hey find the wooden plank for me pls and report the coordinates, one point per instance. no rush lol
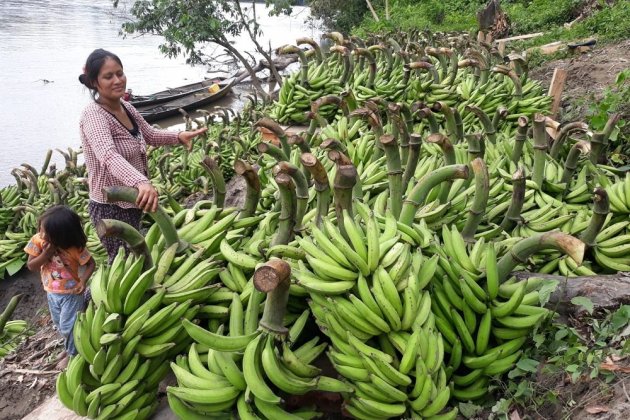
(516, 38)
(555, 90)
(501, 47)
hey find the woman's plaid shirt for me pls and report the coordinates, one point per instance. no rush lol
(113, 156)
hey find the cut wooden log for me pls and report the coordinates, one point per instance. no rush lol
(555, 90)
(519, 37)
(605, 291)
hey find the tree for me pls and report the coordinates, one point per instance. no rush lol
(188, 25)
(339, 15)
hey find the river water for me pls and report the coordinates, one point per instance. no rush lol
(43, 46)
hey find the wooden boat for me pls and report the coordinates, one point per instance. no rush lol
(174, 93)
(191, 101)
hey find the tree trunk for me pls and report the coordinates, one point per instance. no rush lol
(605, 291)
(248, 68)
(374, 15)
(259, 48)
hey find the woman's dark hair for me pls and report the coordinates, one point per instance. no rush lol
(63, 227)
(93, 66)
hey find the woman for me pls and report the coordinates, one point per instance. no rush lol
(114, 137)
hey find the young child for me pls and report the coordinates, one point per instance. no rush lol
(58, 250)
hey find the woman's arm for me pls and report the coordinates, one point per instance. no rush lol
(156, 137)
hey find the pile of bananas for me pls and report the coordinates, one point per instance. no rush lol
(125, 338)
(394, 229)
(11, 331)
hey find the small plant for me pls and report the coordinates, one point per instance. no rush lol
(564, 353)
(616, 99)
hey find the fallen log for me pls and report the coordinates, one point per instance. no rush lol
(605, 291)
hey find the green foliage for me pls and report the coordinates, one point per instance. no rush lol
(616, 99)
(561, 350)
(435, 14)
(339, 15)
(539, 15)
(187, 25)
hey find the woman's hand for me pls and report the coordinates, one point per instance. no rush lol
(185, 137)
(147, 200)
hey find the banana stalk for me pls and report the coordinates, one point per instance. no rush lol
(540, 149)
(273, 278)
(345, 179)
(425, 112)
(288, 200)
(599, 141)
(292, 49)
(330, 100)
(571, 162)
(160, 217)
(520, 138)
(363, 52)
(564, 132)
(348, 64)
(8, 311)
(301, 190)
(125, 232)
(400, 129)
(394, 172)
(418, 195)
(499, 115)
(601, 208)
(218, 183)
(451, 125)
(518, 88)
(319, 56)
(322, 186)
(252, 196)
(275, 128)
(513, 214)
(523, 249)
(449, 159)
(273, 151)
(480, 201)
(415, 142)
(485, 121)
(46, 161)
(476, 146)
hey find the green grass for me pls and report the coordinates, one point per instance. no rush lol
(610, 23)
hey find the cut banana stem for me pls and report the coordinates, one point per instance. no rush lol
(322, 186)
(513, 214)
(394, 172)
(563, 133)
(288, 204)
(252, 196)
(419, 193)
(273, 278)
(121, 230)
(520, 138)
(480, 201)
(128, 194)
(524, 248)
(580, 148)
(601, 208)
(218, 183)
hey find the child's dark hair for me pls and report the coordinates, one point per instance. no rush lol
(63, 227)
(93, 66)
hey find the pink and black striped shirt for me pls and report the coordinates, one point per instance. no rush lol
(113, 156)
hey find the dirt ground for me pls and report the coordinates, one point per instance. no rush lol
(27, 377)
(588, 75)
